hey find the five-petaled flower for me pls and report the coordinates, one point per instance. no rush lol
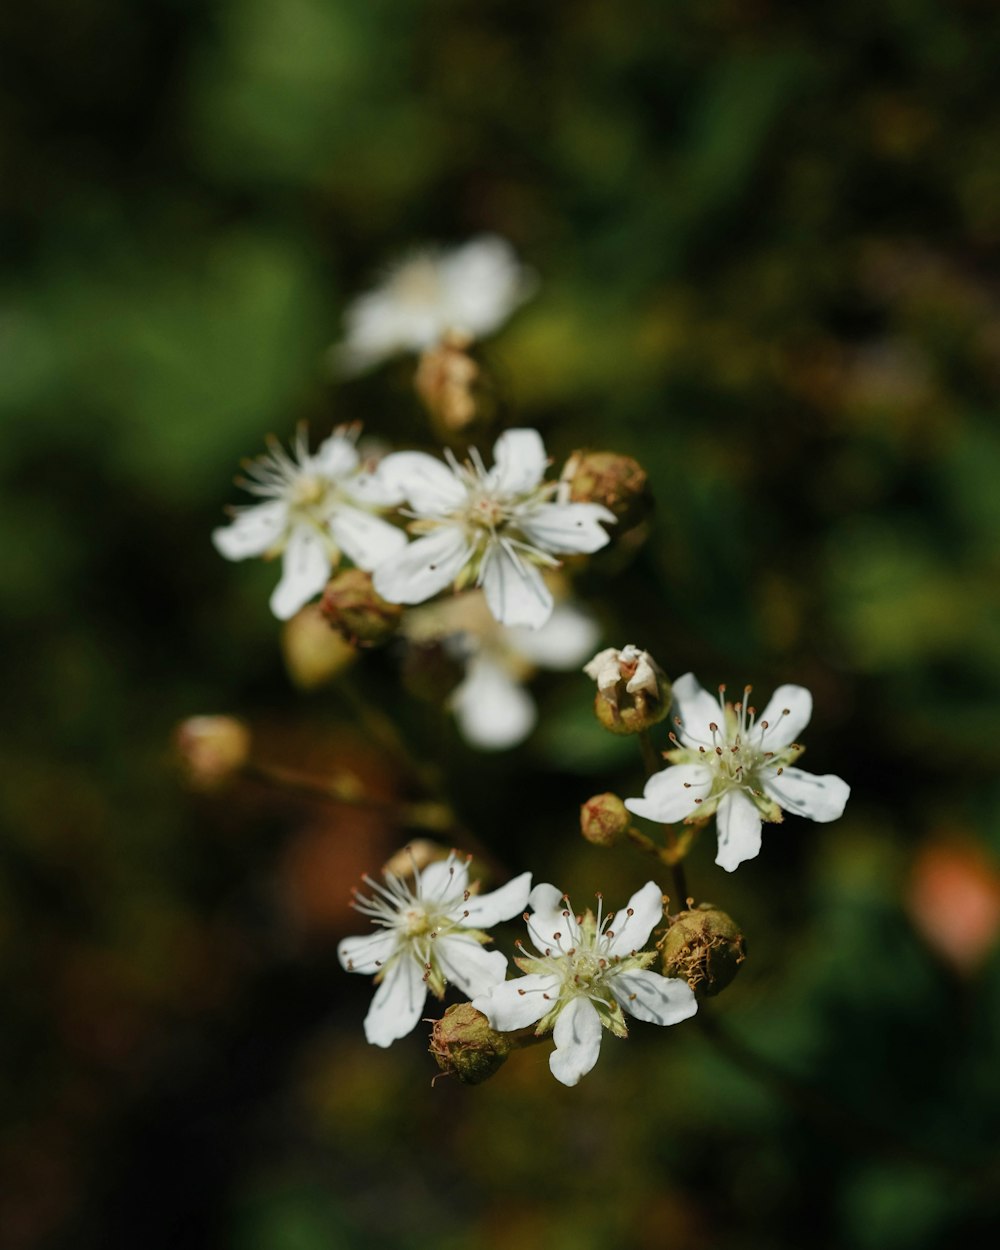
(316, 507)
(588, 972)
(429, 933)
(730, 761)
(471, 290)
(487, 527)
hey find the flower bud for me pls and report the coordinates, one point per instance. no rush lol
(703, 947)
(314, 653)
(450, 384)
(617, 482)
(465, 1046)
(604, 820)
(211, 750)
(633, 692)
(352, 606)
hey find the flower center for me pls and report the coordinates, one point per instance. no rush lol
(586, 970)
(308, 490)
(486, 512)
(416, 921)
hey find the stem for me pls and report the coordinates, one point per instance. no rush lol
(434, 817)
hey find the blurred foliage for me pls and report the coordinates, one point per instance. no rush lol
(767, 236)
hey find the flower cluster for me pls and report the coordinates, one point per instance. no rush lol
(452, 558)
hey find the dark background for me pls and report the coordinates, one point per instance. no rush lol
(767, 240)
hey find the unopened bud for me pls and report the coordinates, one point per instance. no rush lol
(314, 653)
(633, 692)
(414, 857)
(211, 750)
(352, 606)
(604, 477)
(604, 820)
(703, 947)
(465, 1046)
(450, 383)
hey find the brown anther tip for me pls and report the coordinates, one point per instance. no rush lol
(467, 895)
(786, 711)
(699, 800)
(465, 913)
(687, 785)
(763, 724)
(556, 937)
(713, 726)
(630, 911)
(522, 992)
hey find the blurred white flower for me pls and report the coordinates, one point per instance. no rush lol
(471, 290)
(488, 527)
(317, 507)
(588, 972)
(729, 761)
(428, 934)
(493, 709)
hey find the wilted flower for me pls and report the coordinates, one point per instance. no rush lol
(585, 976)
(488, 527)
(471, 289)
(317, 507)
(633, 692)
(429, 933)
(729, 761)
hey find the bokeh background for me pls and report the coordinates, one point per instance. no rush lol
(767, 240)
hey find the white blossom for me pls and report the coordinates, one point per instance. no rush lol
(495, 528)
(588, 972)
(428, 933)
(470, 290)
(316, 507)
(730, 761)
(492, 706)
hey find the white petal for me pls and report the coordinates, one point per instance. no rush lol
(494, 712)
(738, 829)
(515, 592)
(483, 283)
(564, 641)
(370, 488)
(398, 1002)
(305, 569)
(602, 664)
(252, 531)
(515, 1004)
(468, 965)
(336, 456)
(577, 1036)
(670, 795)
(486, 910)
(424, 567)
(429, 485)
(632, 931)
(787, 714)
(818, 798)
(696, 709)
(367, 539)
(445, 878)
(552, 926)
(648, 996)
(519, 462)
(369, 953)
(567, 527)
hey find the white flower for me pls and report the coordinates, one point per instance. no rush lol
(640, 672)
(317, 506)
(729, 761)
(585, 975)
(471, 290)
(491, 527)
(428, 933)
(493, 709)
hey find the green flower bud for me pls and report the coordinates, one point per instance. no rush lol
(351, 605)
(617, 482)
(604, 820)
(465, 1046)
(703, 947)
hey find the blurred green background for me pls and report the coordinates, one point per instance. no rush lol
(767, 236)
